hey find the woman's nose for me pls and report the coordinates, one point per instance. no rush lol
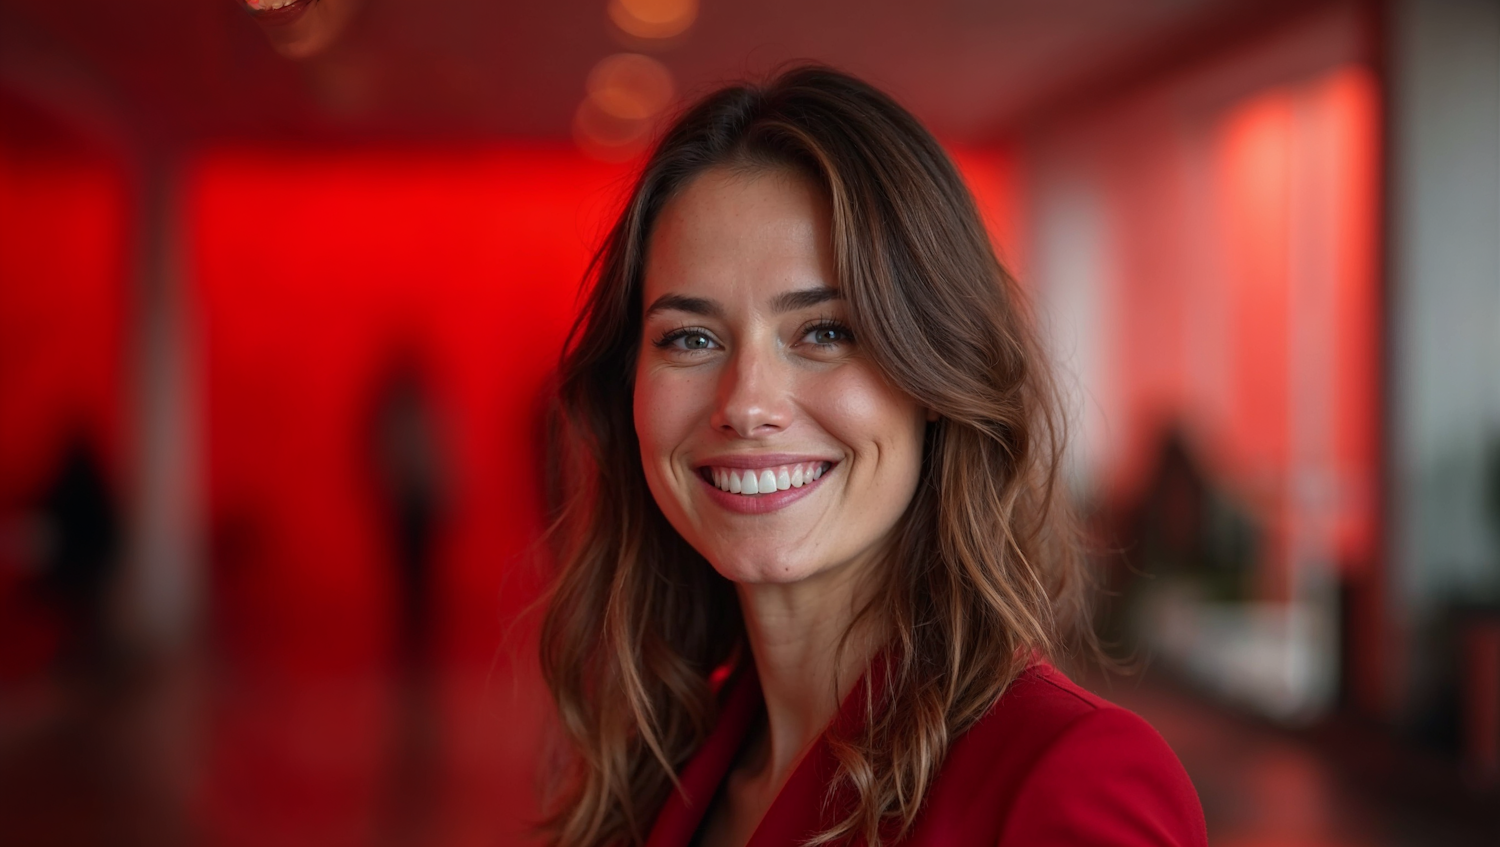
(754, 396)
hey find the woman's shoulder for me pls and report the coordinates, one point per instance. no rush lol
(1044, 698)
(1044, 718)
(1053, 763)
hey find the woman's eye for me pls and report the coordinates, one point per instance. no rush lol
(691, 340)
(828, 334)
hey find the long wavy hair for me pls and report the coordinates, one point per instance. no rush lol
(984, 576)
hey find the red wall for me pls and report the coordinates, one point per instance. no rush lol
(309, 271)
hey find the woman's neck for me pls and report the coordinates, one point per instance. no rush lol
(795, 634)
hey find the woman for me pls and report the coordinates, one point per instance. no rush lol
(814, 555)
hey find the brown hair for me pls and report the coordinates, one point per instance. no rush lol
(983, 576)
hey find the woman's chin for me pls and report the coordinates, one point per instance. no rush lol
(765, 571)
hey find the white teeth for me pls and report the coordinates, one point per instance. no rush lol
(765, 480)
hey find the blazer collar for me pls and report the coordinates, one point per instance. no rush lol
(699, 781)
(802, 808)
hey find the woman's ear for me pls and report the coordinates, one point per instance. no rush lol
(932, 415)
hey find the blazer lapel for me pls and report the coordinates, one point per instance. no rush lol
(804, 807)
(801, 809)
(680, 817)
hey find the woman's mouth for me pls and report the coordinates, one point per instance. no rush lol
(761, 484)
(277, 11)
(752, 482)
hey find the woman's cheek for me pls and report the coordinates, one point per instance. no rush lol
(647, 413)
(664, 412)
(854, 400)
(880, 424)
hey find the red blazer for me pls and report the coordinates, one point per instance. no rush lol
(1051, 764)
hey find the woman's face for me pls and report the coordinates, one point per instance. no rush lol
(769, 439)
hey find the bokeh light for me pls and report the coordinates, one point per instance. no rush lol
(653, 19)
(631, 86)
(626, 92)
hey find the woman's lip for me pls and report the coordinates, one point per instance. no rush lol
(279, 17)
(760, 504)
(759, 461)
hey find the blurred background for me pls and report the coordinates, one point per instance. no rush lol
(281, 289)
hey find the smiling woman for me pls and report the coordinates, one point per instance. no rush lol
(815, 559)
(748, 372)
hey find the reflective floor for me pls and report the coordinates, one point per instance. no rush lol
(187, 755)
(1336, 785)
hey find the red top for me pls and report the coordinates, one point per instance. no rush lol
(1050, 764)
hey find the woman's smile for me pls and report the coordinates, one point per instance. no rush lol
(755, 485)
(278, 12)
(764, 479)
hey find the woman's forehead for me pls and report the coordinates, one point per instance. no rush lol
(724, 208)
(749, 237)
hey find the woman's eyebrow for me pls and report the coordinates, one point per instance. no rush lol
(791, 301)
(682, 303)
(786, 301)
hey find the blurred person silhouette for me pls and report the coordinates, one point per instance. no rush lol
(79, 519)
(410, 484)
(301, 29)
(1169, 518)
(1187, 523)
